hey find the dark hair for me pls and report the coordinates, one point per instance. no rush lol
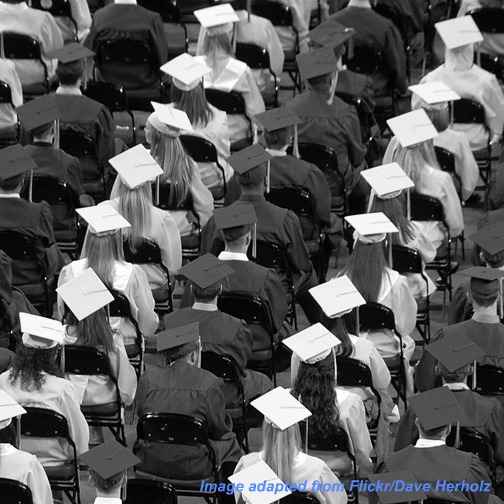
(484, 301)
(315, 388)
(215, 41)
(393, 208)
(12, 183)
(42, 130)
(30, 364)
(457, 376)
(278, 138)
(193, 103)
(69, 73)
(235, 233)
(321, 84)
(433, 433)
(493, 260)
(106, 484)
(8, 434)
(339, 328)
(207, 294)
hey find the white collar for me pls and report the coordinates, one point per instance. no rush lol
(429, 443)
(486, 317)
(68, 90)
(456, 386)
(204, 306)
(359, 3)
(18, 6)
(277, 153)
(126, 2)
(225, 255)
(11, 195)
(108, 500)
(7, 449)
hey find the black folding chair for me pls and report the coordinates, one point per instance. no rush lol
(148, 252)
(488, 19)
(10, 134)
(409, 261)
(182, 430)
(490, 380)
(428, 208)
(300, 498)
(15, 492)
(85, 360)
(46, 423)
(257, 58)
(140, 491)
(57, 8)
(202, 150)
(254, 311)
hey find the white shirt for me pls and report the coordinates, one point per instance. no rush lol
(204, 307)
(225, 255)
(8, 74)
(429, 443)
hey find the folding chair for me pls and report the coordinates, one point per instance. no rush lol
(84, 360)
(148, 252)
(57, 8)
(140, 490)
(428, 208)
(490, 380)
(300, 498)
(409, 261)
(8, 135)
(254, 311)
(257, 58)
(45, 423)
(202, 150)
(183, 430)
(15, 492)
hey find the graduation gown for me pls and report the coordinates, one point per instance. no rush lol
(184, 389)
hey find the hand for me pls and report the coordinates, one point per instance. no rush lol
(495, 139)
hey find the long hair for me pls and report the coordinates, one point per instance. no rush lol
(93, 331)
(194, 104)
(365, 268)
(30, 364)
(217, 44)
(339, 328)
(101, 252)
(393, 208)
(315, 388)
(280, 449)
(135, 205)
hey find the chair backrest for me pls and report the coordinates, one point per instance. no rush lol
(128, 48)
(271, 255)
(146, 252)
(490, 380)
(167, 197)
(18, 246)
(278, 13)
(5, 93)
(353, 373)
(58, 8)
(199, 149)
(21, 46)
(108, 94)
(406, 260)
(475, 442)
(335, 440)
(426, 208)
(255, 56)
(321, 156)
(446, 159)
(15, 492)
(375, 316)
(77, 143)
(300, 498)
(366, 60)
(53, 191)
(466, 111)
(86, 360)
(44, 423)
(222, 366)
(295, 198)
(230, 102)
(489, 19)
(140, 491)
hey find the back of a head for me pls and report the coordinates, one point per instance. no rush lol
(193, 103)
(394, 209)
(207, 294)
(69, 74)
(253, 179)
(218, 41)
(457, 376)
(106, 485)
(321, 84)
(12, 184)
(484, 293)
(236, 235)
(279, 138)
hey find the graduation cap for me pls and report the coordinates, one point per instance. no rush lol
(38, 112)
(399, 496)
(412, 128)
(109, 459)
(490, 238)
(486, 283)
(41, 332)
(186, 71)
(332, 34)
(85, 294)
(15, 161)
(232, 220)
(177, 337)
(249, 165)
(434, 92)
(316, 63)
(9, 409)
(260, 471)
(216, 15)
(371, 227)
(312, 344)
(337, 296)
(458, 32)
(70, 53)
(103, 219)
(136, 166)
(205, 271)
(171, 117)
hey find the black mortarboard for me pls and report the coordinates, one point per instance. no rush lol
(14, 161)
(109, 459)
(37, 112)
(70, 53)
(205, 271)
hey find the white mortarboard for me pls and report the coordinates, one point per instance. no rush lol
(387, 181)
(312, 344)
(85, 294)
(337, 296)
(216, 15)
(371, 227)
(9, 408)
(136, 166)
(260, 471)
(434, 92)
(103, 218)
(186, 71)
(281, 408)
(41, 332)
(172, 117)
(458, 32)
(412, 128)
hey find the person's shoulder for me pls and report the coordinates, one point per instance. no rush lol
(347, 400)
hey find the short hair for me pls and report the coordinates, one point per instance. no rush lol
(277, 138)
(12, 183)
(493, 260)
(432, 433)
(232, 234)
(484, 301)
(321, 83)
(106, 484)
(69, 73)
(42, 130)
(456, 376)
(208, 293)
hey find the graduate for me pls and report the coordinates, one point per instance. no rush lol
(188, 94)
(103, 252)
(16, 464)
(36, 379)
(282, 449)
(220, 333)
(173, 382)
(8, 116)
(79, 10)
(227, 73)
(483, 328)
(430, 460)
(131, 196)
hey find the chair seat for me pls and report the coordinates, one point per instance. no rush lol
(36, 89)
(132, 350)
(191, 241)
(187, 485)
(393, 363)
(63, 472)
(107, 409)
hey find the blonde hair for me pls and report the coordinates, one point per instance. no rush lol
(280, 449)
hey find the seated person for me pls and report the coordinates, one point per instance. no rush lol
(79, 9)
(131, 196)
(191, 202)
(206, 120)
(378, 32)
(327, 120)
(430, 460)
(16, 464)
(16, 16)
(35, 379)
(220, 333)
(483, 414)
(227, 73)
(173, 382)
(297, 34)
(103, 252)
(282, 452)
(8, 116)
(484, 328)
(462, 75)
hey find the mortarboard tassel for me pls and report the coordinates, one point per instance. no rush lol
(408, 204)
(57, 134)
(157, 191)
(18, 431)
(249, 8)
(390, 258)
(371, 201)
(501, 312)
(306, 436)
(254, 240)
(357, 322)
(30, 187)
(2, 49)
(255, 133)
(234, 37)
(295, 146)
(474, 379)
(268, 169)
(457, 435)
